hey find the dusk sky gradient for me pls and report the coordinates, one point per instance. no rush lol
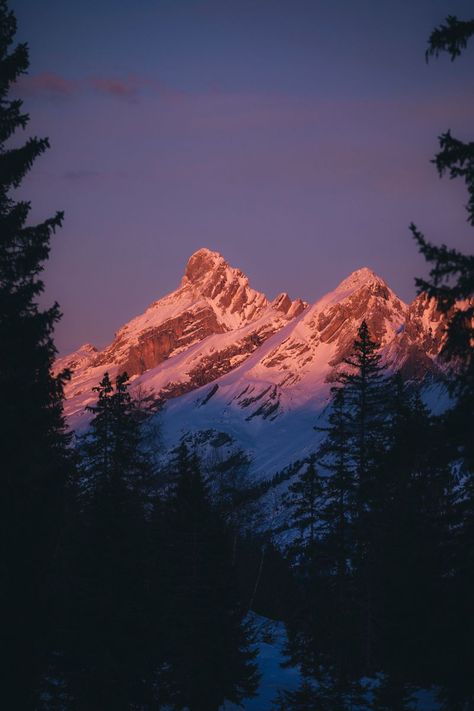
(293, 137)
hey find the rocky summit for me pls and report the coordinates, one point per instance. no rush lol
(227, 360)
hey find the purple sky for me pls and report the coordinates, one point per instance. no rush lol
(293, 137)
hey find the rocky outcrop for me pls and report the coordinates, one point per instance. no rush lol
(208, 275)
(154, 345)
(281, 354)
(420, 340)
(333, 323)
(213, 299)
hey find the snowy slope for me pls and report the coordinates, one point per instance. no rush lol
(228, 360)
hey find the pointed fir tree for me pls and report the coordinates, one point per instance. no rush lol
(304, 501)
(113, 448)
(109, 639)
(33, 438)
(339, 543)
(335, 457)
(451, 37)
(306, 629)
(451, 280)
(365, 393)
(451, 283)
(363, 379)
(208, 645)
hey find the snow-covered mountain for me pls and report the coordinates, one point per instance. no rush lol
(230, 362)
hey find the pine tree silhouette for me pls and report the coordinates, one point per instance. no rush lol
(365, 393)
(303, 502)
(33, 439)
(110, 647)
(451, 283)
(339, 514)
(208, 647)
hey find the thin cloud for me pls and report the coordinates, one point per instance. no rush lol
(119, 88)
(47, 84)
(130, 88)
(53, 86)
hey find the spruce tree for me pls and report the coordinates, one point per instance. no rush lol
(339, 543)
(307, 632)
(451, 283)
(363, 380)
(303, 501)
(113, 448)
(365, 394)
(410, 511)
(335, 456)
(109, 648)
(33, 440)
(208, 645)
(451, 280)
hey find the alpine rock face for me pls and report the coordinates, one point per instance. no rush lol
(234, 367)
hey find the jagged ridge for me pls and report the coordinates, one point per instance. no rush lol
(267, 359)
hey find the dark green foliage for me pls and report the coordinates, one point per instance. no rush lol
(379, 590)
(113, 447)
(451, 283)
(303, 699)
(365, 399)
(363, 380)
(264, 577)
(332, 629)
(108, 650)
(452, 37)
(452, 273)
(412, 554)
(335, 456)
(208, 642)
(303, 501)
(33, 441)
(326, 693)
(232, 493)
(391, 694)
(339, 542)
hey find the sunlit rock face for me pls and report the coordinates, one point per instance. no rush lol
(213, 299)
(264, 360)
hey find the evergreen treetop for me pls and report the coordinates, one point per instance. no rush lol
(33, 440)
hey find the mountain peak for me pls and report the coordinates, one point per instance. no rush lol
(363, 277)
(200, 264)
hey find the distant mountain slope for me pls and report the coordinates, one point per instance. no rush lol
(228, 360)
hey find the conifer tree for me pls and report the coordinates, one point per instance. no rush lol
(113, 447)
(339, 544)
(451, 280)
(231, 492)
(33, 441)
(451, 283)
(208, 644)
(307, 631)
(110, 651)
(391, 694)
(410, 520)
(334, 455)
(363, 380)
(323, 693)
(365, 394)
(303, 501)
(302, 699)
